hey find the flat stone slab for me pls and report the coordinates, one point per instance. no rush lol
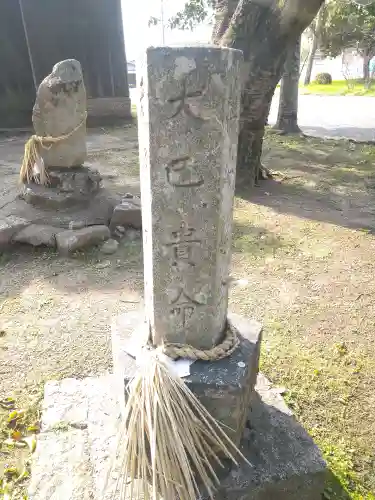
(81, 418)
(98, 211)
(80, 422)
(71, 240)
(224, 387)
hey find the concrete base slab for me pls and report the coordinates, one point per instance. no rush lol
(224, 387)
(81, 418)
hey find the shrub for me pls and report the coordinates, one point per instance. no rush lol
(323, 79)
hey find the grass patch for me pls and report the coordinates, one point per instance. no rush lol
(301, 241)
(338, 87)
(19, 426)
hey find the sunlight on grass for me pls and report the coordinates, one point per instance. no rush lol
(338, 87)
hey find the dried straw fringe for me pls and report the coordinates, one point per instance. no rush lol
(167, 440)
(32, 155)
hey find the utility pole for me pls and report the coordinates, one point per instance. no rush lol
(162, 21)
(28, 45)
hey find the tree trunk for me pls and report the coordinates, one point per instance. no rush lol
(262, 31)
(316, 36)
(287, 119)
(224, 11)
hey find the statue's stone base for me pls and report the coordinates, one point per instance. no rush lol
(68, 187)
(224, 387)
(81, 418)
(73, 212)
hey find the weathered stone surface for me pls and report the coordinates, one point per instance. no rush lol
(70, 241)
(37, 235)
(127, 214)
(188, 131)
(81, 418)
(109, 247)
(9, 226)
(61, 467)
(285, 462)
(97, 212)
(67, 187)
(59, 108)
(224, 387)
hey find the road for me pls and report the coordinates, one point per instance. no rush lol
(351, 117)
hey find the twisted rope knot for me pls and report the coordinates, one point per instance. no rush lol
(32, 154)
(228, 345)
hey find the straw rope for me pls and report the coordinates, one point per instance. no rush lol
(32, 154)
(220, 351)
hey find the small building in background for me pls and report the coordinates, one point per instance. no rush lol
(40, 33)
(132, 74)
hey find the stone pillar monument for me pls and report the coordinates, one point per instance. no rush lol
(188, 129)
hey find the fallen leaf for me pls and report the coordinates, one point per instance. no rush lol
(9, 442)
(11, 471)
(34, 428)
(8, 403)
(31, 443)
(24, 475)
(16, 435)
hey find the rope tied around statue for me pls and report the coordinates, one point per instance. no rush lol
(33, 168)
(223, 350)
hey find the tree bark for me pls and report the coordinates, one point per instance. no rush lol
(224, 11)
(287, 119)
(262, 31)
(314, 46)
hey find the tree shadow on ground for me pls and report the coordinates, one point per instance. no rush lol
(334, 489)
(323, 180)
(302, 202)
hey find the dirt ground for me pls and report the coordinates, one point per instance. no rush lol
(302, 240)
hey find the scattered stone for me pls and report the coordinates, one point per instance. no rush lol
(76, 224)
(103, 264)
(37, 235)
(60, 108)
(9, 226)
(70, 241)
(120, 229)
(110, 246)
(126, 214)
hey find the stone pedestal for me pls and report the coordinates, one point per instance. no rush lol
(224, 387)
(68, 187)
(80, 422)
